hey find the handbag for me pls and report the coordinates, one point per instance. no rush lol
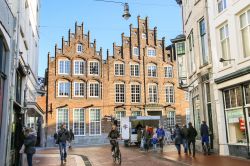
(22, 149)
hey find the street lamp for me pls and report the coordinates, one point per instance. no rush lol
(126, 15)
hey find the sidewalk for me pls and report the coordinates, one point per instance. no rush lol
(170, 153)
(54, 160)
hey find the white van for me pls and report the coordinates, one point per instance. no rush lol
(128, 126)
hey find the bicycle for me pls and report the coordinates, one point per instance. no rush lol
(117, 157)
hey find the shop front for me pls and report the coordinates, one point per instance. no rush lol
(237, 116)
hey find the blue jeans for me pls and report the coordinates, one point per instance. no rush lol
(178, 147)
(185, 145)
(29, 159)
(63, 150)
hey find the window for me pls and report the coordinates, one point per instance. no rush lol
(119, 115)
(245, 32)
(63, 89)
(94, 90)
(64, 66)
(79, 67)
(136, 113)
(180, 48)
(79, 89)
(135, 93)
(79, 48)
(222, 5)
(134, 70)
(94, 68)
(191, 53)
(95, 121)
(169, 93)
(169, 72)
(152, 70)
(188, 116)
(62, 117)
(79, 122)
(151, 52)
(153, 96)
(171, 119)
(224, 43)
(136, 51)
(203, 40)
(119, 69)
(186, 96)
(120, 93)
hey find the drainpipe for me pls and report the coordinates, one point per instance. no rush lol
(14, 65)
(144, 80)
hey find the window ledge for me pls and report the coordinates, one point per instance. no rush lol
(225, 68)
(244, 60)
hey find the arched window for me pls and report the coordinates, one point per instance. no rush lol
(169, 89)
(168, 71)
(79, 89)
(63, 88)
(134, 69)
(135, 92)
(153, 93)
(79, 48)
(79, 67)
(152, 70)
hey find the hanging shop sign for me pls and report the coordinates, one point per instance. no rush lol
(242, 124)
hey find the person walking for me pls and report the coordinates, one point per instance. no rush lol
(178, 138)
(55, 138)
(147, 134)
(63, 137)
(192, 133)
(184, 132)
(29, 144)
(113, 136)
(205, 138)
(161, 136)
(139, 136)
(71, 137)
(154, 141)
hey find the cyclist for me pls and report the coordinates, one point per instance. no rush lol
(205, 137)
(113, 135)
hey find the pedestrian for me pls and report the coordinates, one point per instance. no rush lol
(29, 144)
(71, 137)
(139, 136)
(154, 141)
(63, 137)
(184, 132)
(161, 136)
(178, 138)
(55, 138)
(192, 133)
(205, 138)
(147, 134)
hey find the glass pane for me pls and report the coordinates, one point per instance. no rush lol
(243, 20)
(239, 96)
(233, 98)
(247, 94)
(222, 34)
(227, 99)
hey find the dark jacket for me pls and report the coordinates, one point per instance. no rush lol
(184, 132)
(63, 135)
(114, 134)
(204, 130)
(71, 135)
(192, 133)
(160, 133)
(30, 142)
(178, 137)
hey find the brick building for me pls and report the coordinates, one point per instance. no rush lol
(139, 78)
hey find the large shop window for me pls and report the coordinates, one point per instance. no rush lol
(95, 122)
(62, 117)
(79, 122)
(119, 115)
(234, 115)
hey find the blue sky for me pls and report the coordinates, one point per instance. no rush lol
(103, 20)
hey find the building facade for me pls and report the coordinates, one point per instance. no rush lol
(137, 79)
(230, 43)
(197, 57)
(19, 65)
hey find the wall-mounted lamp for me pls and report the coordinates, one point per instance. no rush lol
(224, 60)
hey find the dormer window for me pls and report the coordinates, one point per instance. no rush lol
(151, 52)
(79, 48)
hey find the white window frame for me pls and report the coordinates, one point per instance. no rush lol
(79, 64)
(89, 66)
(94, 90)
(223, 4)
(119, 95)
(168, 71)
(247, 26)
(119, 68)
(169, 92)
(136, 113)
(136, 51)
(79, 89)
(58, 92)
(64, 66)
(191, 60)
(154, 100)
(151, 52)
(84, 120)
(91, 109)
(133, 69)
(203, 42)
(79, 48)
(150, 70)
(136, 93)
(57, 123)
(171, 119)
(223, 30)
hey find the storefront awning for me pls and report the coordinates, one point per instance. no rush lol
(34, 109)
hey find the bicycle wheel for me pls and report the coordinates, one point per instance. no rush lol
(118, 158)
